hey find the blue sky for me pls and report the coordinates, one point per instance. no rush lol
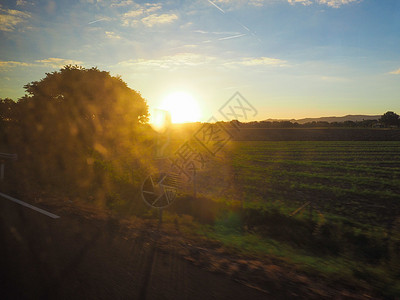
(288, 58)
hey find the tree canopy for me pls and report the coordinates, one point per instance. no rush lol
(87, 103)
(390, 119)
(84, 102)
(75, 117)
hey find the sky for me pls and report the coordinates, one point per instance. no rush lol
(287, 58)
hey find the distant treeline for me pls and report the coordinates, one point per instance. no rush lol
(314, 124)
(388, 120)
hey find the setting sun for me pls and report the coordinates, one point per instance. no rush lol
(182, 106)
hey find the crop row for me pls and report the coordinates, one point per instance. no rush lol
(362, 179)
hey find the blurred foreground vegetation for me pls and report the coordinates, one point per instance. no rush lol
(78, 132)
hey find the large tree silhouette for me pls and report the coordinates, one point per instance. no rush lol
(88, 104)
(74, 115)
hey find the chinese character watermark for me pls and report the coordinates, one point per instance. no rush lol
(159, 190)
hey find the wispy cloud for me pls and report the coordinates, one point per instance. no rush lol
(395, 72)
(182, 60)
(261, 61)
(112, 35)
(154, 19)
(331, 3)
(140, 10)
(257, 3)
(11, 18)
(48, 62)
(337, 3)
(217, 32)
(58, 62)
(170, 61)
(24, 3)
(122, 3)
(147, 15)
(334, 79)
(239, 3)
(133, 14)
(304, 2)
(10, 63)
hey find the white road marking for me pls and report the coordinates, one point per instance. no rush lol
(42, 211)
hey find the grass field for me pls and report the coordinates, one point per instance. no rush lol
(350, 228)
(349, 232)
(358, 180)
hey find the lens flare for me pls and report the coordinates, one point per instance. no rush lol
(160, 120)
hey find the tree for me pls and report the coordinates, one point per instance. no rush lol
(390, 119)
(90, 105)
(8, 118)
(75, 114)
(7, 108)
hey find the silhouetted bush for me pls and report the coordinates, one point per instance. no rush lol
(80, 131)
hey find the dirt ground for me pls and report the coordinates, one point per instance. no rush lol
(88, 254)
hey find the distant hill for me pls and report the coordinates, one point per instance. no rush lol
(353, 118)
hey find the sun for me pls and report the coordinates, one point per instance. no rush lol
(182, 107)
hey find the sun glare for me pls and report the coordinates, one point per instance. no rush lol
(160, 119)
(182, 106)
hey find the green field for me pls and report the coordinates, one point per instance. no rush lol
(350, 228)
(357, 180)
